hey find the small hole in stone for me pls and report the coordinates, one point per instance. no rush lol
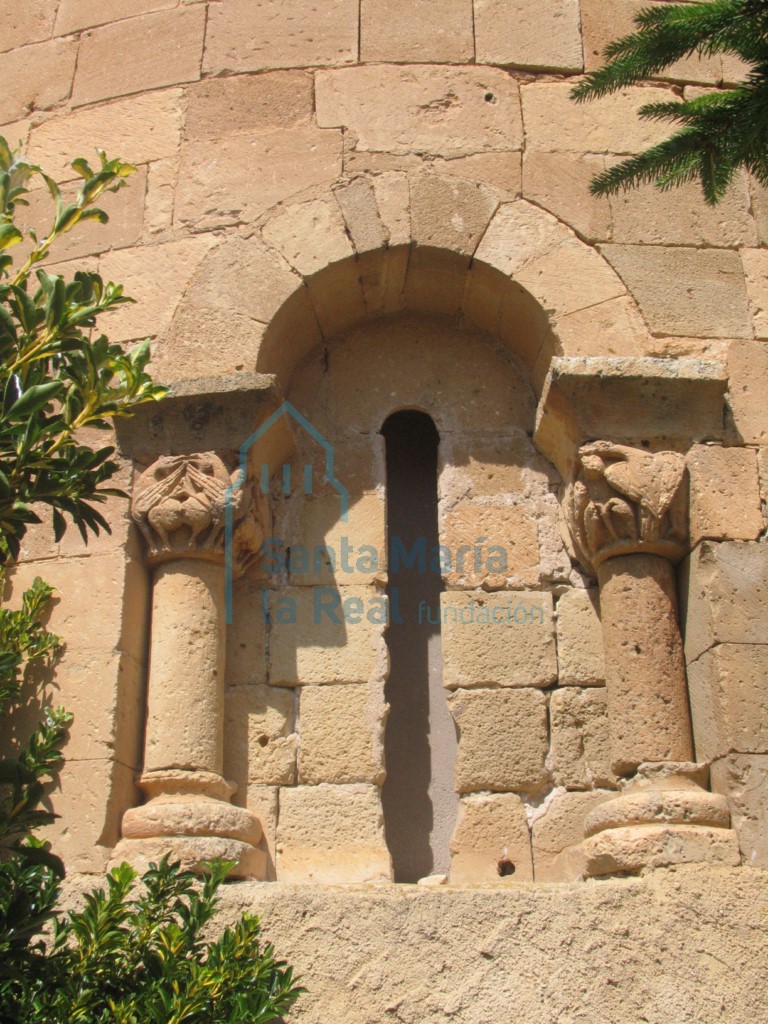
(263, 741)
(505, 867)
(490, 98)
(637, 649)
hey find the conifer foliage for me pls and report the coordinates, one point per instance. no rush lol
(719, 132)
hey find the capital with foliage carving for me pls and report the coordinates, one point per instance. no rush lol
(180, 502)
(625, 500)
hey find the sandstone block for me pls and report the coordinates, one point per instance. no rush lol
(491, 842)
(331, 835)
(310, 641)
(581, 747)
(229, 106)
(249, 35)
(645, 847)
(490, 541)
(310, 236)
(161, 187)
(239, 177)
(762, 467)
(259, 732)
(558, 832)
(157, 277)
(725, 494)
(485, 644)
(74, 15)
(571, 276)
(192, 852)
(396, 30)
(518, 234)
(90, 798)
(124, 208)
(580, 657)
(756, 269)
(553, 122)
(183, 352)
(560, 183)
(503, 739)
(679, 217)
(430, 109)
(246, 635)
(743, 780)
(528, 33)
(393, 199)
(25, 23)
(450, 213)
(724, 589)
(140, 129)
(748, 375)
(612, 328)
(165, 48)
(601, 24)
(728, 688)
(342, 734)
(37, 77)
(685, 291)
(358, 206)
(263, 801)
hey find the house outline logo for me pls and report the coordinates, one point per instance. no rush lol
(286, 409)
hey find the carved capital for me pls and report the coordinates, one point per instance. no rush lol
(180, 506)
(625, 500)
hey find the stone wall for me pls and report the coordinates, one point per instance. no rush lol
(375, 205)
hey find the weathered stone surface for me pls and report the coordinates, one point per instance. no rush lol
(309, 236)
(762, 468)
(397, 30)
(235, 179)
(157, 277)
(724, 588)
(645, 671)
(756, 268)
(742, 779)
(748, 377)
(263, 802)
(724, 494)
(183, 352)
(124, 208)
(680, 217)
(554, 123)
(140, 129)
(558, 831)
(25, 23)
(161, 187)
(560, 183)
(602, 23)
(580, 656)
(166, 48)
(191, 817)
(485, 644)
(518, 234)
(571, 276)
(259, 734)
(331, 835)
(728, 687)
(342, 734)
(392, 195)
(503, 739)
(450, 213)
(361, 216)
(643, 847)
(428, 109)
(529, 33)
(491, 842)
(37, 77)
(319, 646)
(581, 755)
(685, 291)
(493, 542)
(246, 635)
(244, 35)
(612, 328)
(247, 103)
(73, 15)
(192, 852)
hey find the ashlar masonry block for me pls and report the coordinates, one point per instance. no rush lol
(580, 657)
(724, 494)
(504, 638)
(342, 734)
(728, 689)
(581, 755)
(491, 842)
(503, 739)
(259, 733)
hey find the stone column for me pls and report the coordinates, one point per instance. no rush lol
(179, 504)
(626, 511)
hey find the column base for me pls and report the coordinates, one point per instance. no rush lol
(188, 817)
(664, 816)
